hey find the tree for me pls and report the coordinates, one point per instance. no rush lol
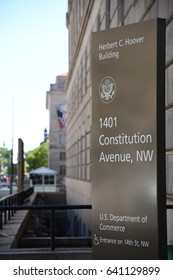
(37, 157)
(5, 155)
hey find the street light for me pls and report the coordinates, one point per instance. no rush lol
(11, 164)
(11, 168)
(12, 115)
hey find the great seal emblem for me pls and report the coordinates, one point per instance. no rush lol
(107, 90)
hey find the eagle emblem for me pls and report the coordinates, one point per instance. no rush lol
(107, 90)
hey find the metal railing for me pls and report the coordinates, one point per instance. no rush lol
(13, 200)
(10, 204)
(52, 209)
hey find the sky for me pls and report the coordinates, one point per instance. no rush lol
(33, 51)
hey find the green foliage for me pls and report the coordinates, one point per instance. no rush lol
(5, 153)
(5, 157)
(37, 157)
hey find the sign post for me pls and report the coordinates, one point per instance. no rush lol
(128, 134)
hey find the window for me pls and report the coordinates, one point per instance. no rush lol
(36, 179)
(62, 139)
(62, 170)
(98, 22)
(121, 12)
(49, 179)
(107, 14)
(62, 155)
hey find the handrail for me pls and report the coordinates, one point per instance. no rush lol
(169, 206)
(20, 194)
(52, 208)
(45, 207)
(17, 198)
(12, 203)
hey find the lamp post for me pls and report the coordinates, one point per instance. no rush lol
(12, 136)
(11, 181)
(11, 165)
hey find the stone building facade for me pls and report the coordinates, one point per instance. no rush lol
(55, 101)
(84, 17)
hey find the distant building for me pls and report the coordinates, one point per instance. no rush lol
(56, 104)
(83, 18)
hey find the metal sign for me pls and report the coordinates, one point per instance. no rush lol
(129, 214)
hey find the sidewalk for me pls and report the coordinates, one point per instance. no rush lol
(10, 230)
